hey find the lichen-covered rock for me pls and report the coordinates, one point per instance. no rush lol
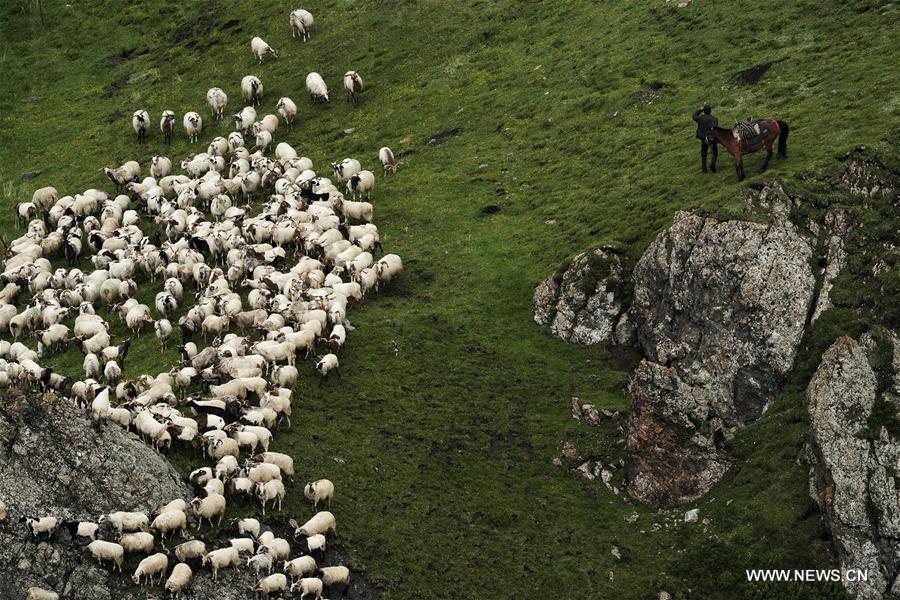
(719, 310)
(582, 303)
(853, 474)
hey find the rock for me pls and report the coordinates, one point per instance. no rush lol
(616, 552)
(56, 461)
(30, 175)
(663, 595)
(836, 260)
(583, 301)
(585, 412)
(692, 515)
(569, 451)
(719, 309)
(852, 475)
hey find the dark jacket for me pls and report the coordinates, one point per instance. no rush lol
(704, 123)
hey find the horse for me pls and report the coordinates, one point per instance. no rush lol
(773, 128)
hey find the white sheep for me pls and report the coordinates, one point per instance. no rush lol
(317, 491)
(287, 109)
(252, 89)
(137, 542)
(262, 562)
(36, 593)
(179, 579)
(300, 566)
(316, 87)
(103, 550)
(193, 125)
(328, 363)
(209, 507)
(271, 584)
(353, 83)
(260, 48)
(301, 23)
(45, 525)
(248, 525)
(150, 567)
(243, 121)
(220, 559)
(140, 120)
(112, 371)
(45, 197)
(279, 548)
(169, 522)
(160, 166)
(244, 544)
(190, 550)
(217, 101)
(339, 575)
(388, 267)
(346, 169)
(388, 163)
(126, 521)
(271, 490)
(167, 125)
(361, 184)
(308, 585)
(322, 522)
(163, 329)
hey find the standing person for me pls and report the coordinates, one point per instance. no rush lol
(705, 122)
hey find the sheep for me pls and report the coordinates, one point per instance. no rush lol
(361, 184)
(45, 197)
(287, 109)
(119, 415)
(140, 121)
(388, 163)
(126, 521)
(279, 548)
(244, 120)
(150, 567)
(190, 550)
(260, 48)
(308, 585)
(322, 522)
(209, 507)
(248, 525)
(220, 559)
(358, 211)
(252, 89)
(242, 544)
(226, 467)
(326, 364)
(103, 550)
(388, 267)
(339, 575)
(163, 329)
(262, 562)
(217, 101)
(309, 544)
(201, 476)
(346, 169)
(317, 491)
(353, 83)
(271, 490)
(316, 87)
(3, 515)
(167, 125)
(264, 472)
(193, 125)
(160, 166)
(112, 371)
(137, 542)
(36, 593)
(169, 522)
(301, 23)
(270, 584)
(45, 525)
(300, 566)
(179, 579)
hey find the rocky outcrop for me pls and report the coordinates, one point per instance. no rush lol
(55, 461)
(719, 309)
(583, 302)
(855, 463)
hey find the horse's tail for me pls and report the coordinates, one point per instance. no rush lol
(782, 138)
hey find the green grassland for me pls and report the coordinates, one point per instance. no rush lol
(574, 119)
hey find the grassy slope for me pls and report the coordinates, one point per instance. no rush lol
(453, 402)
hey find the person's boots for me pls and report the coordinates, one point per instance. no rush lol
(704, 166)
(712, 167)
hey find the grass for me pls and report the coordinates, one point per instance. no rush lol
(453, 402)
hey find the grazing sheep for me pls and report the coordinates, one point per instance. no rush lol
(190, 550)
(316, 87)
(126, 521)
(287, 109)
(361, 184)
(279, 548)
(245, 544)
(300, 566)
(326, 364)
(179, 579)
(262, 562)
(388, 267)
(346, 169)
(322, 522)
(137, 542)
(335, 576)
(36, 593)
(252, 89)
(45, 197)
(301, 23)
(309, 544)
(388, 163)
(318, 491)
(45, 525)
(271, 584)
(209, 507)
(260, 48)
(169, 522)
(308, 585)
(150, 567)
(140, 120)
(220, 559)
(103, 550)
(353, 83)
(248, 525)
(244, 120)
(217, 101)
(193, 125)
(167, 125)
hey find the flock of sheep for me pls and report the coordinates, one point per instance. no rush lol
(301, 262)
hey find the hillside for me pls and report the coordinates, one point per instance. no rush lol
(572, 118)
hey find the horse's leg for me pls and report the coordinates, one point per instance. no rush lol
(768, 155)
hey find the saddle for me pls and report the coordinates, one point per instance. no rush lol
(747, 132)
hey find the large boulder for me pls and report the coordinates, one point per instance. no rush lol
(55, 461)
(855, 462)
(583, 301)
(719, 308)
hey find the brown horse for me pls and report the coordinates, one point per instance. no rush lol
(773, 129)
